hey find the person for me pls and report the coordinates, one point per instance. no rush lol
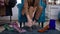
(42, 16)
(33, 7)
(21, 16)
(29, 13)
(51, 24)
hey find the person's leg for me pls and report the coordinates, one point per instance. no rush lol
(42, 24)
(20, 24)
(25, 19)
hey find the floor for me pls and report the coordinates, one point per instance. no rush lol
(33, 32)
(57, 31)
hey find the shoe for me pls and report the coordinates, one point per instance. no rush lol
(44, 29)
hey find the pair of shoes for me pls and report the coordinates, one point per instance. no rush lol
(44, 29)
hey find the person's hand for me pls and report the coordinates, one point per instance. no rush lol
(29, 24)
